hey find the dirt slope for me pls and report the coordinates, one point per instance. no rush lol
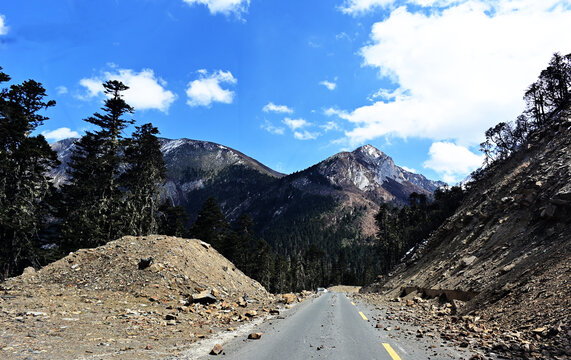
(510, 244)
(106, 302)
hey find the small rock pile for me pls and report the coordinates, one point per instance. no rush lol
(485, 338)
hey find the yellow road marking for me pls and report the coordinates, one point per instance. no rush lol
(391, 352)
(352, 303)
(363, 315)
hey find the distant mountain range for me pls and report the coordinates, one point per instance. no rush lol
(343, 189)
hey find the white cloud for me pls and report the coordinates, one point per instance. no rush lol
(206, 90)
(336, 112)
(272, 129)
(330, 125)
(452, 162)
(61, 90)
(358, 7)
(295, 124)
(412, 170)
(93, 86)
(225, 7)
(328, 84)
(458, 70)
(3, 27)
(271, 107)
(305, 135)
(60, 134)
(146, 91)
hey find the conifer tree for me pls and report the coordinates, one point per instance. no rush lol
(241, 241)
(172, 220)
(93, 197)
(143, 180)
(211, 226)
(24, 185)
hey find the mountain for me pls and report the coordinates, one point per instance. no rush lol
(329, 206)
(197, 170)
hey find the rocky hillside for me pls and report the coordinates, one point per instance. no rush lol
(507, 253)
(137, 297)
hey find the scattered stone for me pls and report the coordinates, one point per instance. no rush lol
(204, 297)
(255, 336)
(217, 349)
(507, 268)
(288, 298)
(145, 263)
(469, 260)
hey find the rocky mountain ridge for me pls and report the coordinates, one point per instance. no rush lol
(195, 167)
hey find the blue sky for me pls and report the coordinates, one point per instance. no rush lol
(290, 83)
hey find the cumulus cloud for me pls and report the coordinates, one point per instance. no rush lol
(328, 84)
(60, 134)
(452, 162)
(295, 124)
(226, 7)
(272, 129)
(271, 107)
(146, 91)
(3, 27)
(207, 88)
(305, 135)
(458, 70)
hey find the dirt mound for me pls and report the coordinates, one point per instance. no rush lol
(509, 244)
(154, 266)
(137, 297)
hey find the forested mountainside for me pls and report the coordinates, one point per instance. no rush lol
(327, 210)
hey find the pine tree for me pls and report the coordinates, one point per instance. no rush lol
(172, 220)
(241, 242)
(143, 180)
(262, 264)
(24, 185)
(211, 226)
(93, 198)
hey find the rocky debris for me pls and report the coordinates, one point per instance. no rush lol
(288, 298)
(488, 338)
(95, 302)
(255, 336)
(217, 349)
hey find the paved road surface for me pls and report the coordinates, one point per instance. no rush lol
(331, 327)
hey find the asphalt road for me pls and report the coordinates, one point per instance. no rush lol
(331, 327)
